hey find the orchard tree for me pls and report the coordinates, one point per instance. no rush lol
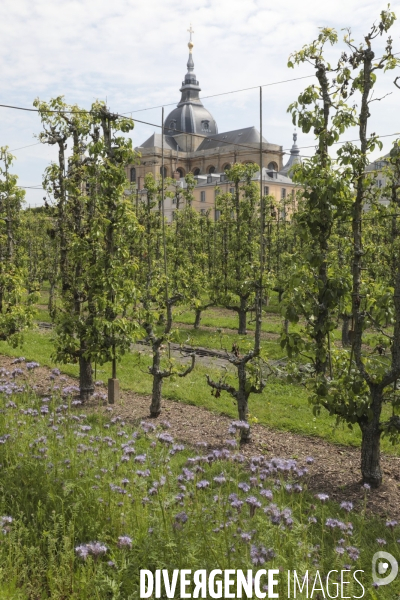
(247, 224)
(237, 244)
(188, 253)
(357, 384)
(16, 301)
(315, 288)
(94, 223)
(153, 283)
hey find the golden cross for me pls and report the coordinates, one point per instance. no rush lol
(190, 30)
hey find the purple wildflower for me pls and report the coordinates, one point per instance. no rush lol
(391, 524)
(261, 555)
(202, 484)
(220, 478)
(266, 493)
(322, 497)
(166, 438)
(381, 541)
(124, 541)
(244, 486)
(181, 517)
(32, 365)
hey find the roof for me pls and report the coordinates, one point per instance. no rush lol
(267, 174)
(379, 163)
(215, 178)
(294, 158)
(190, 117)
(154, 141)
(248, 135)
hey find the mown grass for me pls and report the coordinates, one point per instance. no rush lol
(69, 479)
(281, 405)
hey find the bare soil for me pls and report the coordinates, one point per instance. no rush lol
(335, 470)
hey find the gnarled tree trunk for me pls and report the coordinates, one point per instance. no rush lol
(346, 342)
(242, 399)
(197, 318)
(371, 441)
(86, 385)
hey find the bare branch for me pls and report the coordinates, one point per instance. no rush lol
(222, 387)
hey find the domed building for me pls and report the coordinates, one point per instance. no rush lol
(192, 144)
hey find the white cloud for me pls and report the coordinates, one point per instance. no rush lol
(134, 53)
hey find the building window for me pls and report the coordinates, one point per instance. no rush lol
(181, 172)
(133, 175)
(202, 211)
(211, 170)
(172, 124)
(205, 126)
(227, 167)
(379, 183)
(202, 196)
(272, 166)
(173, 200)
(232, 191)
(266, 190)
(165, 171)
(209, 179)
(217, 215)
(283, 193)
(196, 172)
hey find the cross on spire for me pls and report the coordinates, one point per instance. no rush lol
(190, 30)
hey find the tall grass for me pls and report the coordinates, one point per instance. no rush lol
(86, 501)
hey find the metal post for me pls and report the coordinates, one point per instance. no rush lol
(261, 203)
(162, 206)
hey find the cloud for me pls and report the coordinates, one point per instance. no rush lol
(134, 54)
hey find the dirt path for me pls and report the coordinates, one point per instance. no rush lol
(265, 335)
(335, 470)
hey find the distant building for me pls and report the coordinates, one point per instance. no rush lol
(377, 168)
(192, 144)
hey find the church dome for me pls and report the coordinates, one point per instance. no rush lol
(190, 116)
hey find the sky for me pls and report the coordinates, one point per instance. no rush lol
(133, 54)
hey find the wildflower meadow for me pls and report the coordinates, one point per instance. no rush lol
(87, 500)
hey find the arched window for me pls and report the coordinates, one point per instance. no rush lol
(272, 166)
(211, 169)
(205, 126)
(196, 172)
(165, 171)
(226, 167)
(133, 175)
(172, 124)
(181, 172)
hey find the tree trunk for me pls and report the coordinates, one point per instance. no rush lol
(242, 402)
(50, 305)
(346, 342)
(286, 326)
(168, 326)
(242, 312)
(155, 407)
(371, 442)
(86, 386)
(197, 318)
